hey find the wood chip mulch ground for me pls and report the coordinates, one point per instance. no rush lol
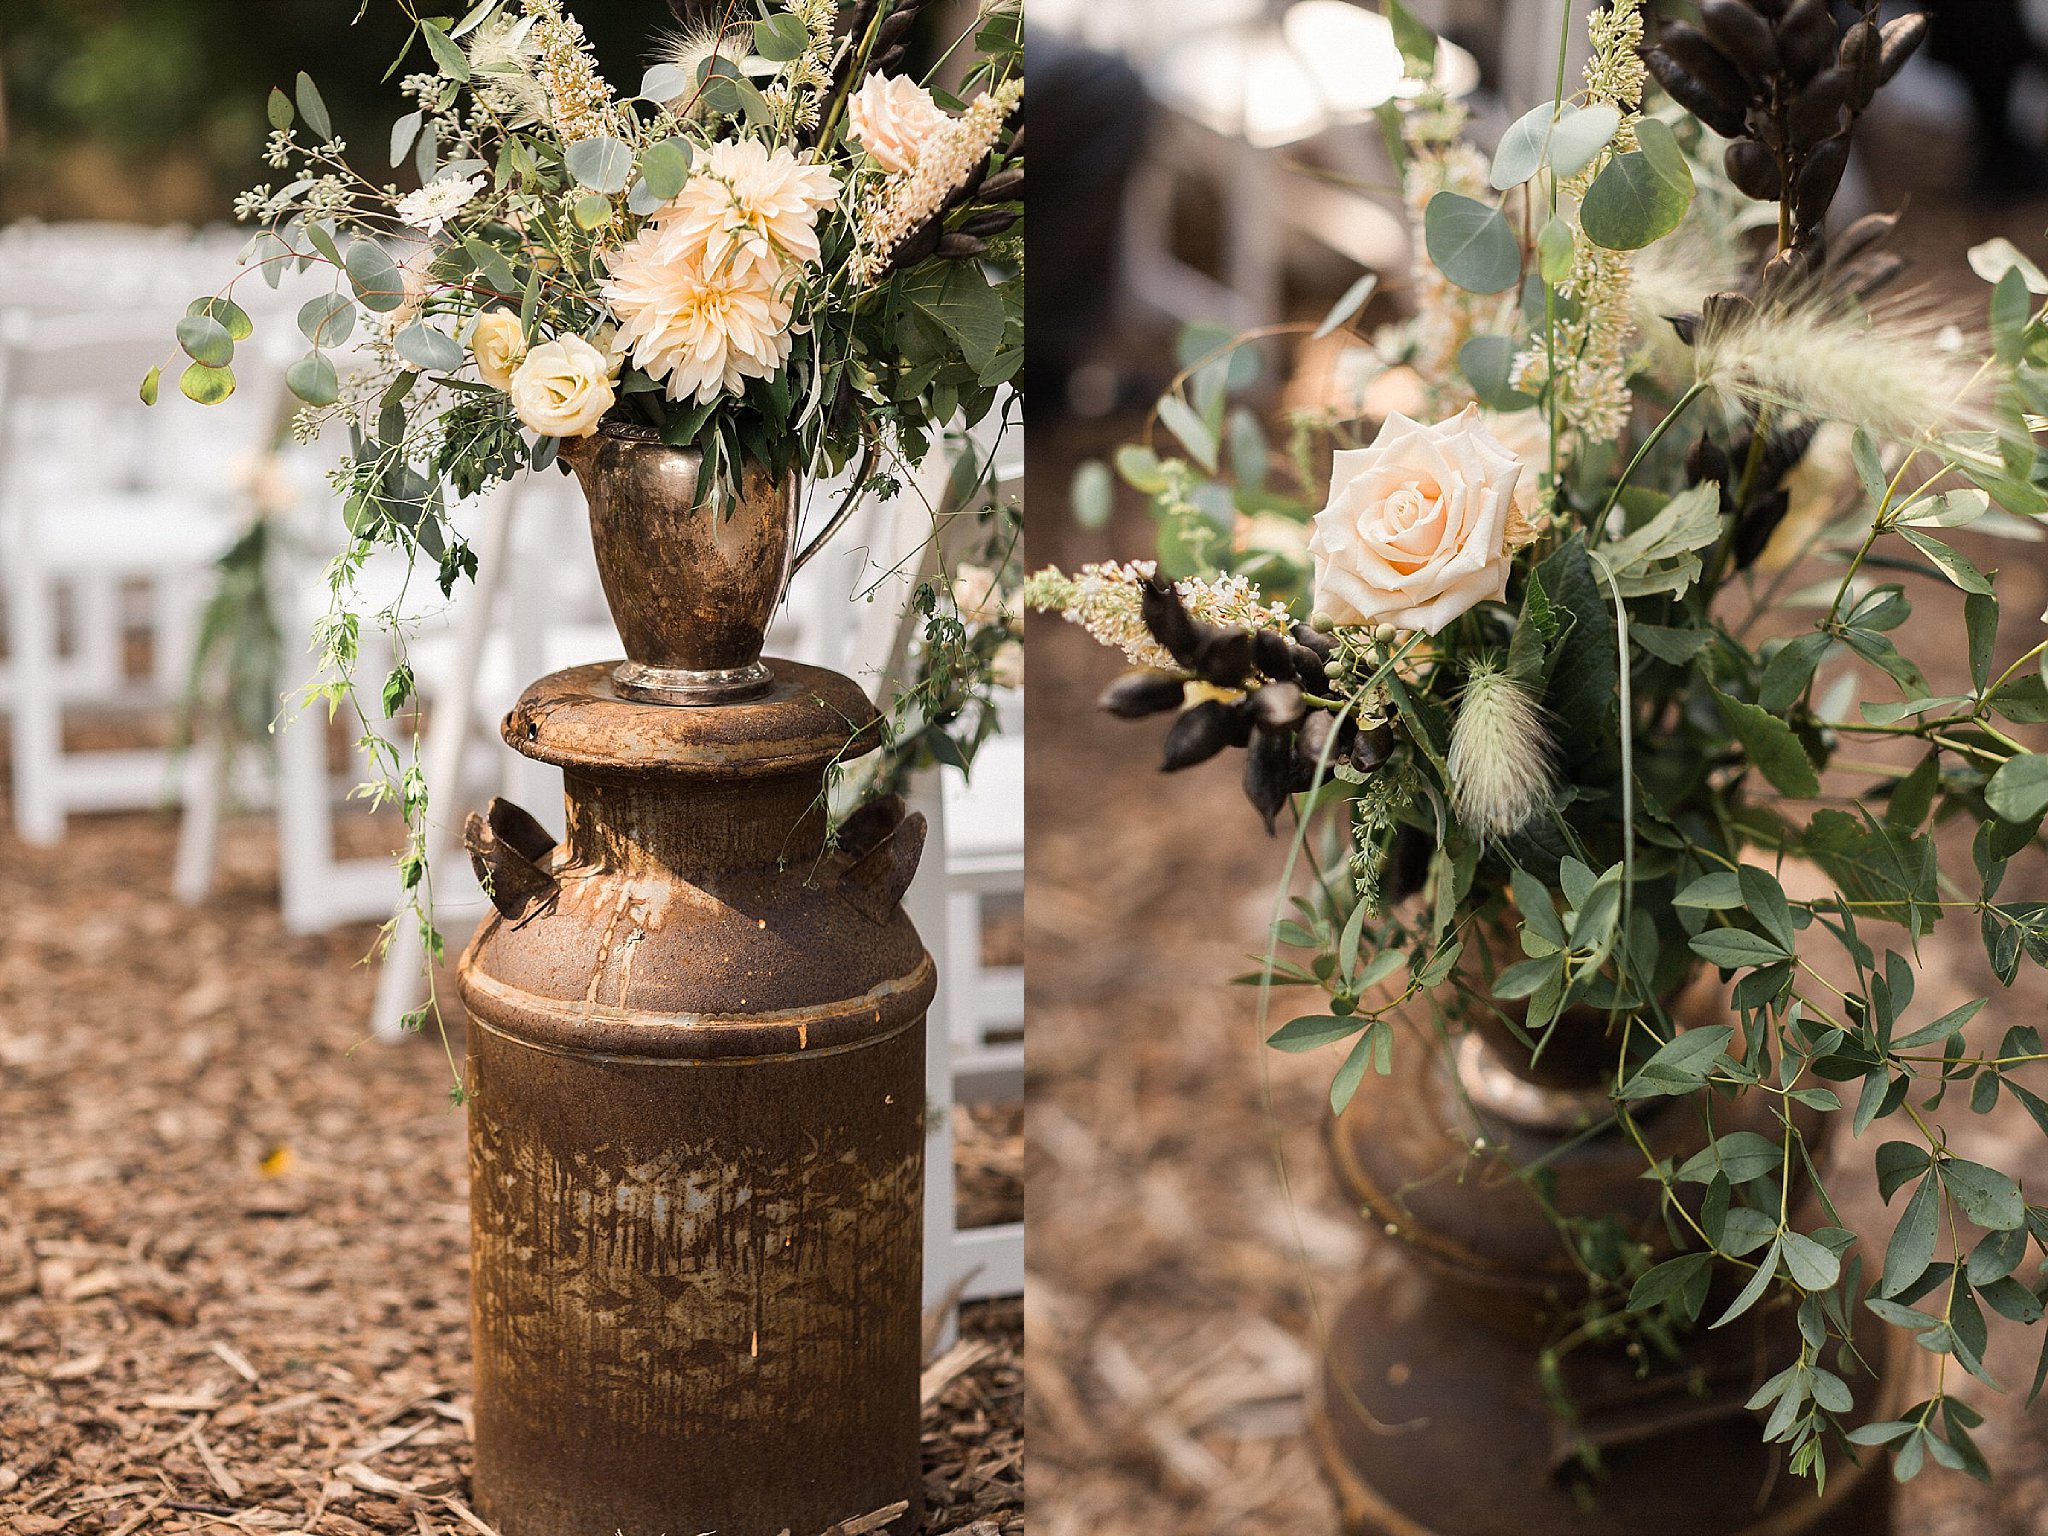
(233, 1231)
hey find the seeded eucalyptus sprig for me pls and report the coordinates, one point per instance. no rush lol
(1781, 80)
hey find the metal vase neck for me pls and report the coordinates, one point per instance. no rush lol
(692, 579)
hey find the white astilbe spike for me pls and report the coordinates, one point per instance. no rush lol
(1503, 760)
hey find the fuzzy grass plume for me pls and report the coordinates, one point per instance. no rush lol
(1816, 357)
(1503, 759)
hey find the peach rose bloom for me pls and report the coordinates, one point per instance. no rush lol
(1417, 525)
(562, 388)
(892, 117)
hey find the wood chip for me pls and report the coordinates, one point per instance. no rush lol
(223, 1479)
(372, 1482)
(954, 1363)
(467, 1516)
(78, 1368)
(235, 1361)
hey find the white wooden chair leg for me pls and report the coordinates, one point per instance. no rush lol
(97, 633)
(452, 711)
(37, 729)
(925, 903)
(203, 792)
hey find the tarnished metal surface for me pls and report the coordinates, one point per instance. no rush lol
(691, 587)
(696, 1131)
(1433, 1419)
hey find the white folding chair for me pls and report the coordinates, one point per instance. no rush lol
(98, 499)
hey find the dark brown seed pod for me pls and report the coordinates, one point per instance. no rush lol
(1694, 94)
(1138, 694)
(1168, 619)
(1371, 750)
(1816, 110)
(1719, 311)
(1270, 654)
(1223, 656)
(1819, 179)
(895, 25)
(1706, 461)
(1865, 279)
(1753, 529)
(1313, 739)
(1312, 639)
(1685, 327)
(955, 246)
(1754, 170)
(1742, 37)
(917, 245)
(1862, 47)
(1707, 64)
(1200, 733)
(1902, 36)
(1278, 707)
(992, 221)
(1269, 773)
(1787, 272)
(1862, 235)
(1807, 39)
(1004, 187)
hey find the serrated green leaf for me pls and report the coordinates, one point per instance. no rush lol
(448, 54)
(1771, 746)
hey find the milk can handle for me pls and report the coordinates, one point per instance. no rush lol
(842, 512)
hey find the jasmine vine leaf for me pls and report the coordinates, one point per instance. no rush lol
(1471, 243)
(1890, 874)
(1740, 1155)
(1680, 1065)
(2019, 790)
(1812, 1265)
(1315, 1030)
(1639, 197)
(1766, 1271)
(1953, 564)
(1733, 948)
(1374, 1050)
(1681, 1282)
(1989, 1198)
(1911, 1249)
(1769, 744)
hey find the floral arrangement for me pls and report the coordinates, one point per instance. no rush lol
(1566, 621)
(781, 251)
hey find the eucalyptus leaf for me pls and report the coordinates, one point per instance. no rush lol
(424, 347)
(1639, 197)
(312, 378)
(603, 164)
(1472, 243)
(312, 108)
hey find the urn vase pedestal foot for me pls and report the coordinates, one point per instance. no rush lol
(1432, 1415)
(696, 1068)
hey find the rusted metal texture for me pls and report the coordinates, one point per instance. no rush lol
(1433, 1419)
(691, 587)
(696, 1127)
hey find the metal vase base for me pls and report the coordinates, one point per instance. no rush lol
(691, 686)
(1432, 1417)
(696, 1072)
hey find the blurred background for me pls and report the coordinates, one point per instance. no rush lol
(233, 1231)
(1216, 162)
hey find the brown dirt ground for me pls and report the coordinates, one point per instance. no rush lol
(1186, 1244)
(233, 1251)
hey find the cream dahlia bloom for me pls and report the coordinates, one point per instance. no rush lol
(563, 388)
(742, 198)
(892, 117)
(1417, 527)
(702, 325)
(498, 344)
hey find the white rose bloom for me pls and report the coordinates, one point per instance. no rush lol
(1417, 525)
(892, 117)
(498, 344)
(563, 388)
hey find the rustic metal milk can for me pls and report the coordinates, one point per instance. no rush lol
(696, 1063)
(1435, 1417)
